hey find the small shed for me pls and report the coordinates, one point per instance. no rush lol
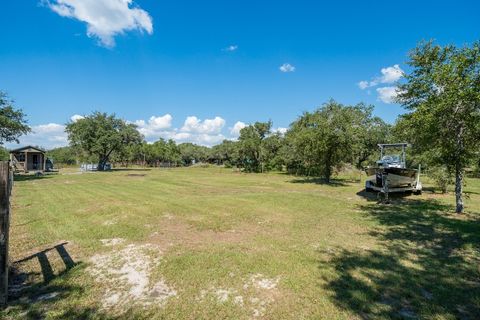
(28, 158)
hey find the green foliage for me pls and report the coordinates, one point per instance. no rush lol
(441, 177)
(100, 135)
(271, 147)
(191, 153)
(442, 94)
(225, 153)
(332, 135)
(4, 155)
(253, 153)
(161, 152)
(12, 121)
(63, 155)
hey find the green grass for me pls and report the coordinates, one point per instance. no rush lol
(332, 250)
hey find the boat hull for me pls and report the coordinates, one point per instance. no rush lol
(395, 177)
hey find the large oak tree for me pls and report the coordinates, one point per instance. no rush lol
(332, 135)
(100, 135)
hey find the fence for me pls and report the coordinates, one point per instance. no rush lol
(6, 183)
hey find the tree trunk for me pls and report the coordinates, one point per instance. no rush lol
(101, 163)
(459, 171)
(459, 188)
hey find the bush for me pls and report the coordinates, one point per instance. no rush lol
(441, 177)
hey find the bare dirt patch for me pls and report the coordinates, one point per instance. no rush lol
(112, 242)
(126, 276)
(173, 231)
(257, 294)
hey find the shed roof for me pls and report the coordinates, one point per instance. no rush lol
(27, 149)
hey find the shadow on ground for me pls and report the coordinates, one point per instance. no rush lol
(332, 183)
(37, 290)
(426, 267)
(29, 177)
(128, 169)
(379, 197)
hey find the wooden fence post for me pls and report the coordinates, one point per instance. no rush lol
(6, 182)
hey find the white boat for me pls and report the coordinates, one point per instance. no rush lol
(391, 173)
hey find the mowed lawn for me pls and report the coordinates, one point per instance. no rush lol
(212, 243)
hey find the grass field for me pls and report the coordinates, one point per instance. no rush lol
(211, 243)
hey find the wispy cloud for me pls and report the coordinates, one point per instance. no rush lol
(231, 48)
(105, 19)
(389, 75)
(287, 67)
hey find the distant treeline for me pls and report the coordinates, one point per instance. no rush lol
(316, 144)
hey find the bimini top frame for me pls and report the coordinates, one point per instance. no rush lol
(402, 145)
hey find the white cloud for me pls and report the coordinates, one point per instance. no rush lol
(387, 94)
(208, 126)
(363, 84)
(206, 132)
(155, 126)
(201, 139)
(287, 67)
(76, 117)
(391, 74)
(105, 19)
(48, 136)
(235, 130)
(231, 48)
(280, 130)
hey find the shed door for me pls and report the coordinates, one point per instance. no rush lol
(35, 161)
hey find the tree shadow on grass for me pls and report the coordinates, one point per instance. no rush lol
(332, 183)
(128, 169)
(426, 265)
(30, 177)
(37, 292)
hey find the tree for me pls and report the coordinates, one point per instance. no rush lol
(64, 155)
(191, 152)
(12, 121)
(270, 154)
(334, 134)
(373, 132)
(442, 93)
(225, 153)
(100, 134)
(250, 146)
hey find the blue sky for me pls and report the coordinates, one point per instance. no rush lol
(195, 70)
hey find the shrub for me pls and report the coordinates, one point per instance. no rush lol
(441, 177)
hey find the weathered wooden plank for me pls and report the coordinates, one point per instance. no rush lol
(6, 181)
